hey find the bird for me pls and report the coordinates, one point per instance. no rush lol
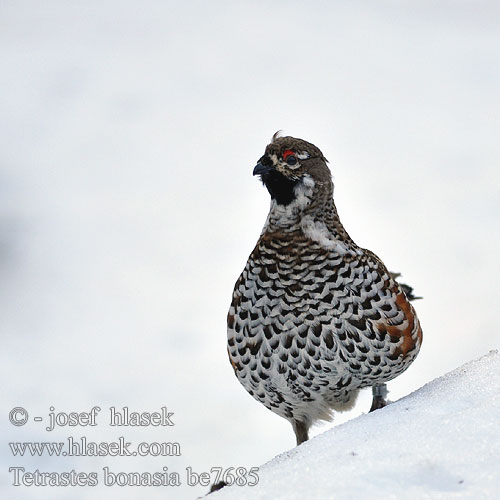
(314, 318)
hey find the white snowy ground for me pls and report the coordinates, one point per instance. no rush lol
(442, 441)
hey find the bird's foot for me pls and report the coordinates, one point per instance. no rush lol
(379, 397)
(377, 403)
(214, 487)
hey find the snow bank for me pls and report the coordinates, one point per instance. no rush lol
(442, 441)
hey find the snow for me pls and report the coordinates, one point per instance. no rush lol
(442, 441)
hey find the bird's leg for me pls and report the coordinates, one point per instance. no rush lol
(379, 394)
(301, 431)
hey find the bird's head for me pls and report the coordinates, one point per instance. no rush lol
(289, 165)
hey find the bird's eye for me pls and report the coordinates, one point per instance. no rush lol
(289, 157)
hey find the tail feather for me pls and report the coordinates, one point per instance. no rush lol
(407, 289)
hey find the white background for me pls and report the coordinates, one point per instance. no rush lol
(128, 135)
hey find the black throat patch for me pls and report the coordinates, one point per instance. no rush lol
(280, 188)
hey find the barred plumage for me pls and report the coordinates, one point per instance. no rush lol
(314, 317)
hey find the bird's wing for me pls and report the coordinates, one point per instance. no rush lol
(372, 314)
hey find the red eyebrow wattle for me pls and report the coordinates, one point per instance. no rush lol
(287, 153)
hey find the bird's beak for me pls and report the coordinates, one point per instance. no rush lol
(261, 169)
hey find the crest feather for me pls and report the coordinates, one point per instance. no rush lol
(276, 135)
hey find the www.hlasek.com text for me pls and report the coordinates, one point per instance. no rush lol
(83, 448)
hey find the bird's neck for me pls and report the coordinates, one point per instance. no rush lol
(312, 212)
